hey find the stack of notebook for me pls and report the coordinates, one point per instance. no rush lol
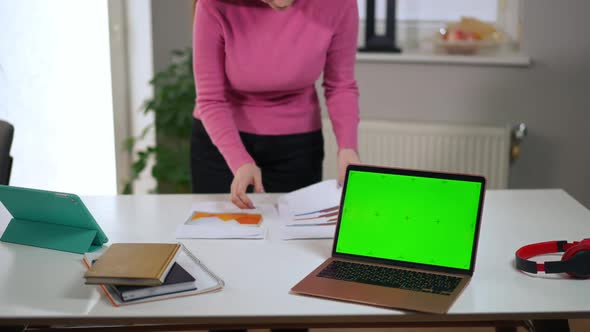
(136, 271)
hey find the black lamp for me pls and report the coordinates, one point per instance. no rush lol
(380, 43)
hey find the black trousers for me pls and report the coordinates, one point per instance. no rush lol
(287, 162)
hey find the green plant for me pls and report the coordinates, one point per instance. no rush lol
(172, 105)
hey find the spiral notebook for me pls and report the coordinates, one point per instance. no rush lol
(205, 280)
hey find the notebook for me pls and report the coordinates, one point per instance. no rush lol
(405, 239)
(206, 281)
(178, 280)
(134, 264)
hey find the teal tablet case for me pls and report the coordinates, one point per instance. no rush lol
(50, 220)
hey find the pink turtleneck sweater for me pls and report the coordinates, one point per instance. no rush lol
(255, 70)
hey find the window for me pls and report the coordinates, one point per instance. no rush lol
(419, 20)
(55, 88)
(436, 10)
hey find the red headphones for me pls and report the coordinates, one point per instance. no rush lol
(575, 261)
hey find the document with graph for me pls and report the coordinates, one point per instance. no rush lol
(223, 220)
(310, 212)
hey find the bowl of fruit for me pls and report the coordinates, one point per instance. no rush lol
(468, 36)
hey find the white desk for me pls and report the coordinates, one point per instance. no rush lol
(39, 286)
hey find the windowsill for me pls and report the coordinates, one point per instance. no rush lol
(513, 59)
(416, 40)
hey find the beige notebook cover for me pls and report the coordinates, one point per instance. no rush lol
(141, 264)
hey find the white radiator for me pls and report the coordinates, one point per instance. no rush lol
(467, 149)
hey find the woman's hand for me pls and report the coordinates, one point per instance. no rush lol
(247, 174)
(345, 158)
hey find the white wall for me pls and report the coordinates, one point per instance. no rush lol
(140, 63)
(552, 97)
(171, 29)
(55, 87)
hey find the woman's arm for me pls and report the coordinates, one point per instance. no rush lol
(212, 106)
(342, 97)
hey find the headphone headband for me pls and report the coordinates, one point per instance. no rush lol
(567, 264)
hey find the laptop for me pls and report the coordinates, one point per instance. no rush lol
(405, 239)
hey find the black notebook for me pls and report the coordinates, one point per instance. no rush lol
(177, 280)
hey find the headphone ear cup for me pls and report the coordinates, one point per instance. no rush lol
(579, 252)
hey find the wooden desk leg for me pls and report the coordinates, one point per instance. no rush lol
(551, 325)
(12, 328)
(527, 324)
(506, 329)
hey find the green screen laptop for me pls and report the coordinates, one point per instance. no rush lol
(404, 239)
(50, 220)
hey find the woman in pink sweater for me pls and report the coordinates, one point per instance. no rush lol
(257, 117)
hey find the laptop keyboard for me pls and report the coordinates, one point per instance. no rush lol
(390, 277)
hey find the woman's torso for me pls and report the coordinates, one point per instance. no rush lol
(272, 61)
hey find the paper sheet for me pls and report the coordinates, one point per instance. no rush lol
(308, 232)
(313, 205)
(310, 212)
(223, 220)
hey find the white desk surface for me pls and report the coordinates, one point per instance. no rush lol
(40, 285)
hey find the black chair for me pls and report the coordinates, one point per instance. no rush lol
(6, 135)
